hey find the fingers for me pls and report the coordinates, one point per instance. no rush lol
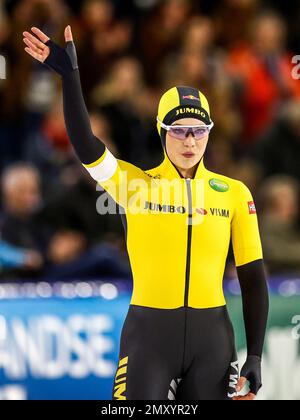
(68, 34)
(248, 397)
(43, 37)
(32, 46)
(241, 383)
(34, 40)
(34, 54)
(36, 44)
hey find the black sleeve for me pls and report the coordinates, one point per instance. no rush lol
(64, 62)
(255, 298)
(87, 147)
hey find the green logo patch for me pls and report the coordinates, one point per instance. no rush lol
(218, 185)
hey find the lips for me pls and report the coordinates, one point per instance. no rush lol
(188, 155)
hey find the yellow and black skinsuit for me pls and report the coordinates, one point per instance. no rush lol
(178, 231)
(178, 248)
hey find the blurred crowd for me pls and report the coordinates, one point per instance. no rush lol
(238, 52)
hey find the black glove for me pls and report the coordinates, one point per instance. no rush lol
(252, 372)
(62, 60)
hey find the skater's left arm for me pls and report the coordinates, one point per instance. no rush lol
(251, 273)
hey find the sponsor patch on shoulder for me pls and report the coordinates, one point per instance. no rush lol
(252, 208)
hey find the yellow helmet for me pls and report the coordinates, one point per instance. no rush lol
(182, 102)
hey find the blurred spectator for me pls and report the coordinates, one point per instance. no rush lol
(278, 150)
(278, 224)
(4, 24)
(249, 172)
(262, 72)
(85, 244)
(13, 257)
(78, 213)
(29, 88)
(199, 34)
(162, 33)
(97, 262)
(124, 97)
(101, 40)
(218, 157)
(65, 246)
(232, 20)
(102, 129)
(198, 63)
(188, 68)
(49, 149)
(290, 11)
(21, 200)
(54, 249)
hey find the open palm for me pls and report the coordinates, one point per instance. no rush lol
(36, 44)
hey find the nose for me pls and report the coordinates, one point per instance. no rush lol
(190, 140)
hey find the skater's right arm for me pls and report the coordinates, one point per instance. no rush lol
(113, 174)
(89, 149)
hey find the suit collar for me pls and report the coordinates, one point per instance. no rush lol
(169, 171)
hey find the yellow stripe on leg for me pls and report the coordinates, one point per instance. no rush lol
(123, 361)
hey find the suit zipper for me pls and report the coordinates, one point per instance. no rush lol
(189, 242)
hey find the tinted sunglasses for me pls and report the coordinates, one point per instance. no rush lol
(181, 132)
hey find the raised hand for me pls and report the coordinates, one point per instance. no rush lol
(36, 44)
(43, 49)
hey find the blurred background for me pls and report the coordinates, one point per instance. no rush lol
(65, 279)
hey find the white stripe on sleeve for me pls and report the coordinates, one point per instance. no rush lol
(105, 170)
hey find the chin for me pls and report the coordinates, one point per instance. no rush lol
(190, 164)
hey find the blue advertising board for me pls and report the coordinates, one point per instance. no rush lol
(61, 340)
(60, 348)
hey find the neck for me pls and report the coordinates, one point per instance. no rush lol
(188, 173)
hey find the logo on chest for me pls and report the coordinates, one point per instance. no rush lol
(164, 208)
(220, 212)
(214, 212)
